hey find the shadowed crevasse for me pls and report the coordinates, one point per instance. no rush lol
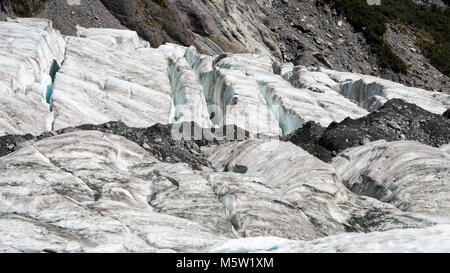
(48, 96)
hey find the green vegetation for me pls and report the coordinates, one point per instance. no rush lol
(433, 24)
(27, 8)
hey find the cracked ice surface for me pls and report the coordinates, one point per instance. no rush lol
(241, 81)
(412, 176)
(90, 192)
(125, 40)
(316, 191)
(291, 106)
(99, 83)
(28, 48)
(370, 92)
(95, 192)
(112, 75)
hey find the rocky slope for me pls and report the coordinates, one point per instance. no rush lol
(110, 145)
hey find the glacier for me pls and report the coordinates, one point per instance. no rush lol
(98, 83)
(81, 190)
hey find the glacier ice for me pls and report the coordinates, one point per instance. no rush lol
(290, 106)
(89, 191)
(187, 93)
(254, 245)
(123, 40)
(54, 203)
(113, 75)
(435, 239)
(317, 191)
(296, 106)
(28, 50)
(368, 91)
(97, 84)
(246, 80)
(412, 176)
(232, 96)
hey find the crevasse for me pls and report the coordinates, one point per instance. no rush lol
(177, 89)
(367, 95)
(232, 94)
(210, 81)
(287, 120)
(187, 93)
(54, 68)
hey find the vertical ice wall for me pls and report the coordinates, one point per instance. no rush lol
(288, 120)
(48, 96)
(232, 96)
(373, 92)
(187, 93)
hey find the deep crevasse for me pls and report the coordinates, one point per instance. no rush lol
(295, 106)
(48, 96)
(187, 93)
(287, 119)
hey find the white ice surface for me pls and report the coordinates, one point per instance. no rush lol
(435, 239)
(94, 192)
